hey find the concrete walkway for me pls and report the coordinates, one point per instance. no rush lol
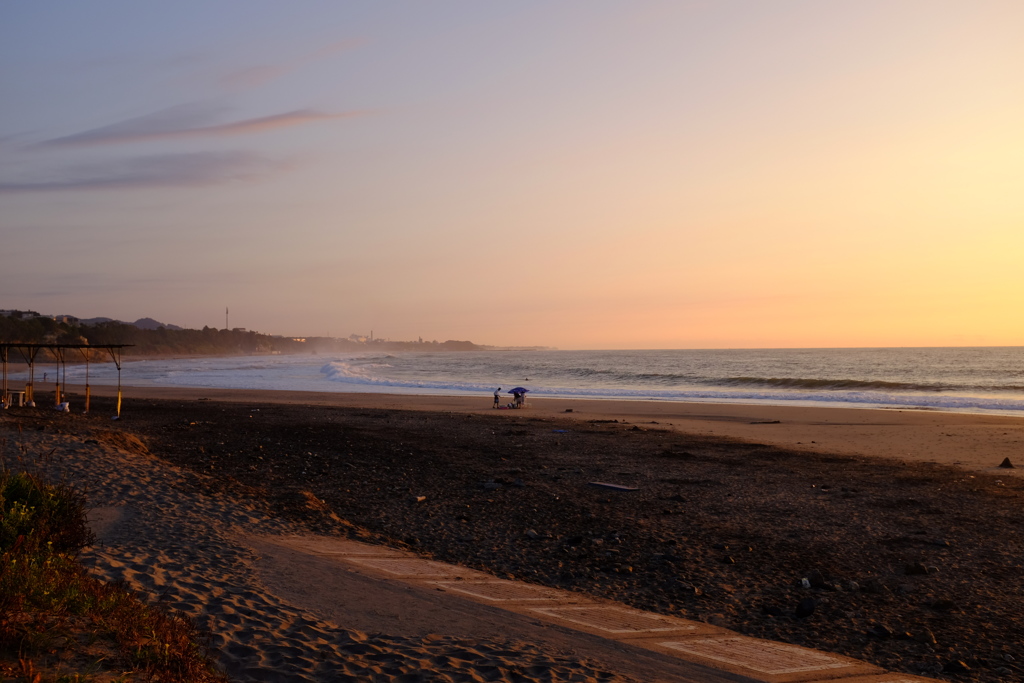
(376, 588)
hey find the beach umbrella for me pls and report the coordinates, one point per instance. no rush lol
(518, 390)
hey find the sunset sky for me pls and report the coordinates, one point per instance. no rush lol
(580, 174)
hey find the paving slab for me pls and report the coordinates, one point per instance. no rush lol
(763, 660)
(617, 621)
(344, 546)
(502, 591)
(888, 678)
(414, 568)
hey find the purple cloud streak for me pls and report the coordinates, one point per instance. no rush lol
(199, 169)
(186, 122)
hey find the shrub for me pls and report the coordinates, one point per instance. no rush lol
(59, 622)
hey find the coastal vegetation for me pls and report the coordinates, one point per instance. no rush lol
(57, 623)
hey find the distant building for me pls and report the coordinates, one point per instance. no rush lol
(15, 313)
(21, 315)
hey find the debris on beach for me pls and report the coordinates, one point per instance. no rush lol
(611, 487)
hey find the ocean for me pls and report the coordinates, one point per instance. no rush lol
(979, 380)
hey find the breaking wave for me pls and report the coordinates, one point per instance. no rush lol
(362, 374)
(358, 372)
(832, 384)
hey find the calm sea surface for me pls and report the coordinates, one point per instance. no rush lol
(988, 379)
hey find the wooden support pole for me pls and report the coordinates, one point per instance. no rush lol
(4, 397)
(115, 355)
(86, 354)
(30, 389)
(56, 379)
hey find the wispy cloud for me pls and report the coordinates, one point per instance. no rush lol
(167, 170)
(188, 121)
(258, 75)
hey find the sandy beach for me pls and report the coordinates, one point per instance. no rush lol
(901, 523)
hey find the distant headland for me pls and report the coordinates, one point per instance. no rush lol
(150, 337)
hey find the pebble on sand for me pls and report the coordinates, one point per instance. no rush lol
(805, 608)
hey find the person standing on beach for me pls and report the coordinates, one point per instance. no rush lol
(497, 397)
